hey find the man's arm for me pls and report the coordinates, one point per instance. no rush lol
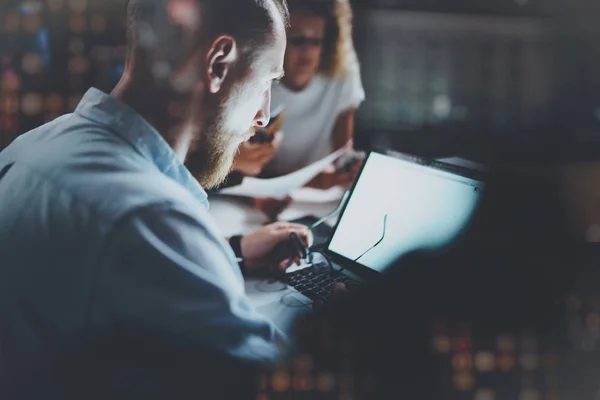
(167, 277)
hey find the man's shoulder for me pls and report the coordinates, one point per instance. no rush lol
(97, 169)
(124, 190)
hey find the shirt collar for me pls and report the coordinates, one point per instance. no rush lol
(107, 111)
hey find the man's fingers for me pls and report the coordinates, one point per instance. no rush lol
(285, 264)
(283, 226)
(338, 290)
(304, 234)
(338, 287)
(280, 232)
(288, 227)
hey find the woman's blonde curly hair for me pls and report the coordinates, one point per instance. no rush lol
(339, 56)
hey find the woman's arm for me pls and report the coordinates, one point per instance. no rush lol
(343, 130)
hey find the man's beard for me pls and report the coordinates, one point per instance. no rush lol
(213, 152)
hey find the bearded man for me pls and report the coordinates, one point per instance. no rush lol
(113, 277)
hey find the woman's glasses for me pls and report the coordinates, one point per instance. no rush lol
(305, 41)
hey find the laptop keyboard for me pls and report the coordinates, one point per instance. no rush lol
(315, 283)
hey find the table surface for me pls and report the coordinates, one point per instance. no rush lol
(236, 216)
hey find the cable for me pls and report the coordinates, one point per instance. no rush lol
(378, 242)
(335, 210)
(325, 256)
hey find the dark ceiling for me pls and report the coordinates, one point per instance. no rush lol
(497, 7)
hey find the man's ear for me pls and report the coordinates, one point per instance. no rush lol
(221, 56)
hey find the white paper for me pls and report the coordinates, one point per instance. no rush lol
(318, 196)
(282, 186)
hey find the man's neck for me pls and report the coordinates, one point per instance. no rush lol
(152, 105)
(141, 97)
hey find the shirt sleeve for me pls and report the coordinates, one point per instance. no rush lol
(352, 93)
(168, 278)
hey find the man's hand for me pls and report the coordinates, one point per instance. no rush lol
(253, 157)
(339, 292)
(259, 249)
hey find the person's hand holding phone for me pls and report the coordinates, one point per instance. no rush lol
(328, 178)
(253, 156)
(342, 173)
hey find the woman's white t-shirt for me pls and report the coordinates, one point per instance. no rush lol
(310, 116)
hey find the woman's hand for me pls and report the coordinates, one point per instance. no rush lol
(330, 177)
(253, 157)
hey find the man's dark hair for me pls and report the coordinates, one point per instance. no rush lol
(250, 22)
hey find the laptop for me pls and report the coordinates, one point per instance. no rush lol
(323, 231)
(399, 203)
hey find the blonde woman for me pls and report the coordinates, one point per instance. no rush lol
(320, 91)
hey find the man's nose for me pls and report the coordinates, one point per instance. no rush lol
(264, 113)
(262, 119)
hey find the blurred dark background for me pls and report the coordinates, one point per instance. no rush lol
(441, 77)
(447, 76)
